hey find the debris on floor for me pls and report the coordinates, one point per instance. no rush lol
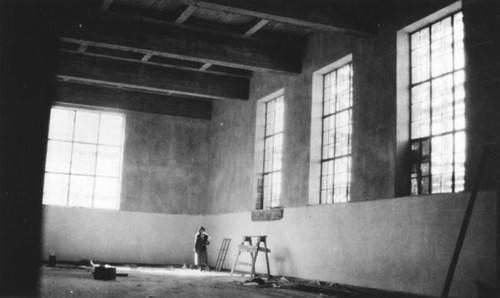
(281, 282)
(326, 289)
(104, 273)
(314, 283)
(256, 281)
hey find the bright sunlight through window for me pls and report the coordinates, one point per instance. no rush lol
(336, 139)
(438, 138)
(273, 144)
(84, 158)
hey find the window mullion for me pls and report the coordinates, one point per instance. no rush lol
(96, 156)
(322, 140)
(453, 102)
(431, 84)
(71, 158)
(335, 135)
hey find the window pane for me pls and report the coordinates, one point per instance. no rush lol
(279, 108)
(106, 193)
(458, 36)
(55, 189)
(414, 186)
(80, 191)
(327, 182)
(425, 186)
(61, 124)
(108, 161)
(276, 189)
(460, 147)
(58, 157)
(87, 124)
(84, 158)
(441, 47)
(272, 189)
(110, 129)
(426, 147)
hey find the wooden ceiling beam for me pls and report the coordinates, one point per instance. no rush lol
(185, 14)
(256, 27)
(327, 15)
(132, 100)
(205, 66)
(146, 57)
(184, 42)
(82, 48)
(139, 76)
(105, 5)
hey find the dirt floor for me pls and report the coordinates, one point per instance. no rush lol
(170, 281)
(70, 281)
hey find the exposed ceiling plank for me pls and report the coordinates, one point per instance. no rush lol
(185, 14)
(146, 57)
(183, 42)
(259, 25)
(205, 66)
(82, 48)
(320, 14)
(105, 4)
(140, 76)
(123, 99)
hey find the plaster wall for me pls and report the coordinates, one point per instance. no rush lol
(118, 236)
(403, 244)
(232, 187)
(165, 164)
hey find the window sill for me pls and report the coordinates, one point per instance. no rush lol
(267, 214)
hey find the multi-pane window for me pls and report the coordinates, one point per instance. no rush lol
(336, 137)
(438, 138)
(84, 157)
(273, 143)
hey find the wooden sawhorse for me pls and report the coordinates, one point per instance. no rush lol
(254, 251)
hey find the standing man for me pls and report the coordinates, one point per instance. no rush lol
(201, 240)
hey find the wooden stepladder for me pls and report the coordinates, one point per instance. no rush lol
(222, 254)
(248, 247)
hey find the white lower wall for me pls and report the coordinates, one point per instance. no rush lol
(402, 244)
(117, 236)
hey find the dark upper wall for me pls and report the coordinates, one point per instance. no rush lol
(375, 166)
(165, 164)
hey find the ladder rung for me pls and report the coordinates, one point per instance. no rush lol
(248, 248)
(252, 248)
(244, 263)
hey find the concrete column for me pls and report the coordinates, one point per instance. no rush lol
(26, 65)
(481, 23)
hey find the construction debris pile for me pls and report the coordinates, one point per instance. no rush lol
(322, 288)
